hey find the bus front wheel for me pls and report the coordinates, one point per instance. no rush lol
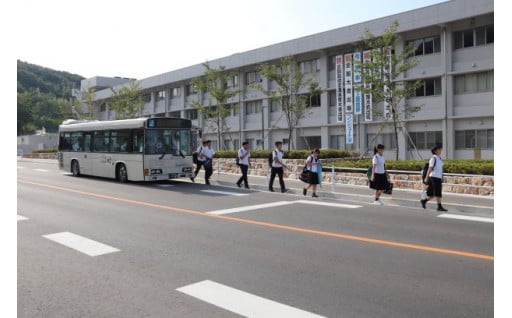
(122, 173)
(75, 168)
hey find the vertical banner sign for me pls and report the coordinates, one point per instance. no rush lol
(387, 77)
(368, 115)
(358, 100)
(348, 82)
(339, 88)
(349, 129)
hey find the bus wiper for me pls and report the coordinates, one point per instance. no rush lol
(182, 155)
(162, 156)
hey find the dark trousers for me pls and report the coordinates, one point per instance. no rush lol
(279, 172)
(243, 178)
(208, 170)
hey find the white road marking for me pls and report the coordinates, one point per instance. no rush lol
(21, 217)
(240, 302)
(226, 193)
(250, 207)
(81, 244)
(466, 217)
(41, 170)
(279, 203)
(336, 205)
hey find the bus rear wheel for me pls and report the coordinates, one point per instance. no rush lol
(75, 168)
(122, 173)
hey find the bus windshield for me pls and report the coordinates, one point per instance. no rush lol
(168, 141)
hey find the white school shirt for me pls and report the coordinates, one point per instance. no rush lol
(208, 152)
(245, 160)
(279, 157)
(437, 171)
(379, 161)
(314, 163)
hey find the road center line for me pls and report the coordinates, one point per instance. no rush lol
(466, 217)
(81, 244)
(268, 224)
(240, 302)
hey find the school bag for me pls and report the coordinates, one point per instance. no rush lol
(271, 158)
(237, 158)
(425, 169)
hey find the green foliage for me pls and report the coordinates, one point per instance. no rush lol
(46, 150)
(127, 101)
(457, 166)
(292, 154)
(43, 97)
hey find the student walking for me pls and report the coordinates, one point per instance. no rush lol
(379, 179)
(244, 156)
(312, 167)
(277, 167)
(434, 179)
(204, 159)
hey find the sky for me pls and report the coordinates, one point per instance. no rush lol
(139, 39)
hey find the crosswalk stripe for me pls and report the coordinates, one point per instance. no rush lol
(21, 218)
(336, 205)
(241, 302)
(81, 244)
(466, 217)
(250, 207)
(237, 194)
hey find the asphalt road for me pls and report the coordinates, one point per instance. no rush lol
(91, 247)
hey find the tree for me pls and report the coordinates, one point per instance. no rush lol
(290, 83)
(127, 101)
(386, 72)
(215, 83)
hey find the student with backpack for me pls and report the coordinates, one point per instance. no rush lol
(277, 167)
(434, 179)
(244, 163)
(204, 159)
(379, 177)
(312, 167)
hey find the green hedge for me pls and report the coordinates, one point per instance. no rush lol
(343, 158)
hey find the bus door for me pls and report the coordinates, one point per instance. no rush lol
(100, 157)
(85, 161)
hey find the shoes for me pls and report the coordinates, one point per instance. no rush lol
(424, 203)
(238, 184)
(284, 190)
(207, 182)
(378, 202)
(270, 189)
(304, 191)
(192, 179)
(314, 195)
(440, 208)
(247, 187)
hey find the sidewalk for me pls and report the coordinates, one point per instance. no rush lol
(463, 204)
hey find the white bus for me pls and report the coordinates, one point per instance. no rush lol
(140, 149)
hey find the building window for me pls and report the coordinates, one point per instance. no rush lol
(191, 114)
(160, 95)
(470, 139)
(332, 63)
(425, 139)
(312, 100)
(311, 66)
(426, 46)
(252, 77)
(340, 142)
(232, 81)
(235, 109)
(474, 82)
(190, 89)
(253, 107)
(332, 98)
(388, 140)
(176, 114)
(473, 37)
(146, 98)
(429, 87)
(103, 107)
(175, 92)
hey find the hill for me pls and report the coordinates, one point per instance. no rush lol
(43, 97)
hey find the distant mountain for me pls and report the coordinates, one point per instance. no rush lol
(32, 77)
(44, 97)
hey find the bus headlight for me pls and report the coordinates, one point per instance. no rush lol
(156, 171)
(186, 169)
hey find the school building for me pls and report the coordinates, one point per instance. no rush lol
(454, 43)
